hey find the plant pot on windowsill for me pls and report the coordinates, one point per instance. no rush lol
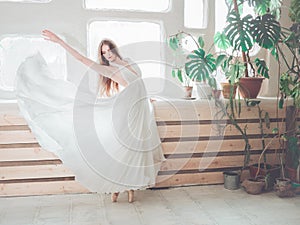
(226, 90)
(249, 87)
(188, 90)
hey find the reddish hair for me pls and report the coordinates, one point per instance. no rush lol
(107, 85)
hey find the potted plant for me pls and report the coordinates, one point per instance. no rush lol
(178, 69)
(199, 66)
(264, 169)
(243, 32)
(290, 88)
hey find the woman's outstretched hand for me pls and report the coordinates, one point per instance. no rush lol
(50, 36)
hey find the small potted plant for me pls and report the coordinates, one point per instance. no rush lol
(178, 67)
(199, 66)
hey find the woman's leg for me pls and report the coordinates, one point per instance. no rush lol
(130, 196)
(114, 196)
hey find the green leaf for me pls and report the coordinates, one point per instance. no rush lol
(238, 31)
(266, 31)
(275, 130)
(220, 59)
(221, 41)
(262, 68)
(179, 75)
(173, 73)
(201, 65)
(201, 42)
(280, 104)
(174, 43)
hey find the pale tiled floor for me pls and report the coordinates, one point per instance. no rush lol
(207, 205)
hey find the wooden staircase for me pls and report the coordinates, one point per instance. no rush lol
(26, 168)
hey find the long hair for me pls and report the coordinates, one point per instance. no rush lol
(106, 85)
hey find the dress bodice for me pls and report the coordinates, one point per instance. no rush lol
(126, 73)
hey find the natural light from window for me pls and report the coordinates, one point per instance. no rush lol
(137, 40)
(27, 1)
(195, 14)
(14, 50)
(134, 5)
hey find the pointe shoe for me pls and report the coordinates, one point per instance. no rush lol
(130, 196)
(114, 196)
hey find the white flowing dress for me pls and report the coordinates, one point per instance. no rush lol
(111, 144)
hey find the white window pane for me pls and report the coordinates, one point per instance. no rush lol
(140, 41)
(14, 50)
(29, 1)
(195, 14)
(138, 5)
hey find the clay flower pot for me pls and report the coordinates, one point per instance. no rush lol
(253, 186)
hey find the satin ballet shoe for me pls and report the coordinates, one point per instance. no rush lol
(130, 196)
(114, 196)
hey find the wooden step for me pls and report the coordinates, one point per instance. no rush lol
(26, 157)
(12, 122)
(41, 188)
(41, 173)
(17, 139)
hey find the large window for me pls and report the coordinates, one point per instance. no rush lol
(195, 14)
(27, 1)
(133, 5)
(15, 49)
(140, 41)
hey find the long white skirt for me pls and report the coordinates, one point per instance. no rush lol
(111, 144)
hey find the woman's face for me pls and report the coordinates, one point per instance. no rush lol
(108, 54)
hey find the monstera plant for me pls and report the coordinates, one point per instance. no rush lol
(243, 33)
(199, 64)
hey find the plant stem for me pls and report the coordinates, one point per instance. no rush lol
(244, 57)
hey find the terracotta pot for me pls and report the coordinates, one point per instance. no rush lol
(249, 87)
(274, 172)
(188, 91)
(283, 187)
(226, 90)
(253, 186)
(216, 93)
(291, 174)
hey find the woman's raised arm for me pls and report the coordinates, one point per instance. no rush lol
(103, 70)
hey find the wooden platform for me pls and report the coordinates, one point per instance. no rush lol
(197, 150)
(26, 168)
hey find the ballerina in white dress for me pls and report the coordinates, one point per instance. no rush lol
(111, 144)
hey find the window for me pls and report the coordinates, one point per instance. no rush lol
(140, 41)
(195, 14)
(15, 49)
(133, 5)
(27, 1)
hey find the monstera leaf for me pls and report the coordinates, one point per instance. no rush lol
(201, 66)
(262, 67)
(221, 40)
(266, 31)
(238, 31)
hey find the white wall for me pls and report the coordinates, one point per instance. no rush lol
(70, 19)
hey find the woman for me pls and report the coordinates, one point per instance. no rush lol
(111, 144)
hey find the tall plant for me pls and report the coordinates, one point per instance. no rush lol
(242, 32)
